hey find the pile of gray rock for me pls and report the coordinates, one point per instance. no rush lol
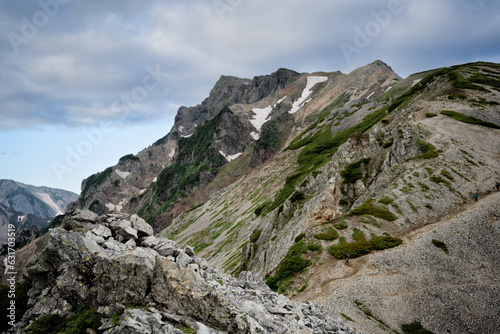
(114, 264)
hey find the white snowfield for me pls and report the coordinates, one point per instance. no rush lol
(311, 82)
(48, 200)
(172, 153)
(230, 157)
(121, 174)
(187, 136)
(415, 82)
(370, 95)
(388, 89)
(261, 117)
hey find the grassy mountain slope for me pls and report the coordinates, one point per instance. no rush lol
(360, 175)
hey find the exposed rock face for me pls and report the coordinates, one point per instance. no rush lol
(124, 187)
(113, 261)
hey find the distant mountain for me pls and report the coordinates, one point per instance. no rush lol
(26, 205)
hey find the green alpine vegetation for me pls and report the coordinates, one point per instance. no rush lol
(352, 172)
(370, 207)
(468, 119)
(328, 234)
(178, 180)
(291, 264)
(360, 246)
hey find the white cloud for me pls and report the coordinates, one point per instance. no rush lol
(92, 52)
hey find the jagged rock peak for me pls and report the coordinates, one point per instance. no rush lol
(113, 261)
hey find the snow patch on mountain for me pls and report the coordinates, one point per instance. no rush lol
(261, 116)
(122, 174)
(311, 82)
(230, 157)
(50, 202)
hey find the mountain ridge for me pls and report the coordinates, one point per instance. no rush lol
(25, 205)
(367, 164)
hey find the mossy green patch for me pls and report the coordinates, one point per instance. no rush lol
(327, 234)
(78, 323)
(440, 244)
(415, 328)
(255, 236)
(386, 200)
(341, 225)
(290, 265)
(469, 119)
(371, 208)
(384, 242)
(352, 171)
(428, 150)
(314, 247)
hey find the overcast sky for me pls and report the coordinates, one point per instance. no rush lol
(84, 82)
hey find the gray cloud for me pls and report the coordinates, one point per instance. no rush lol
(80, 65)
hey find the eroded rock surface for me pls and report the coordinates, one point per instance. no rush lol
(116, 266)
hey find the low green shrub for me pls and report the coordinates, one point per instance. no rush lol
(386, 200)
(299, 237)
(297, 197)
(74, 324)
(346, 317)
(388, 143)
(370, 208)
(343, 202)
(447, 175)
(255, 236)
(291, 264)
(328, 234)
(352, 173)
(428, 150)
(440, 244)
(414, 328)
(260, 209)
(380, 242)
(341, 225)
(313, 247)
(354, 249)
(468, 119)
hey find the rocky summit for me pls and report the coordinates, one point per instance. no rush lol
(139, 283)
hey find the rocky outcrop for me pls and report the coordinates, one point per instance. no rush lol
(113, 261)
